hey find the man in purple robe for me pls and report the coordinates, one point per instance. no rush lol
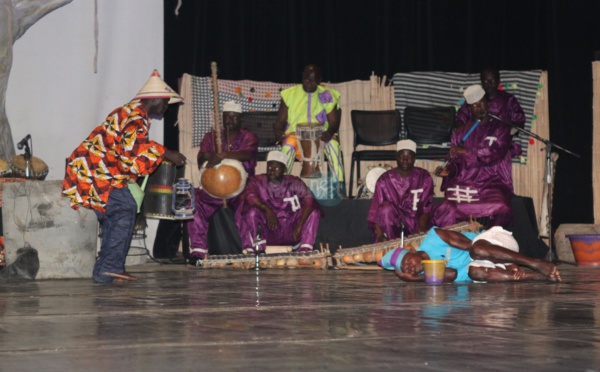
(277, 209)
(501, 104)
(403, 197)
(478, 176)
(238, 144)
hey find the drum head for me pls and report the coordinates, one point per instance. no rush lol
(372, 177)
(225, 180)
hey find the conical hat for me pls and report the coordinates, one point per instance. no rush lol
(155, 87)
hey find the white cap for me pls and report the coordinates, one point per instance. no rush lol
(155, 87)
(474, 94)
(498, 236)
(231, 106)
(406, 145)
(277, 156)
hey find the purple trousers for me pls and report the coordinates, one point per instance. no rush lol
(390, 220)
(206, 207)
(252, 217)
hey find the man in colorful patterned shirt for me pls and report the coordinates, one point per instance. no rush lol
(116, 152)
(403, 197)
(310, 103)
(280, 206)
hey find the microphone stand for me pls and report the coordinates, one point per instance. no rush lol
(551, 256)
(27, 156)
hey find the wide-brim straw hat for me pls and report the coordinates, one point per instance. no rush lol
(155, 87)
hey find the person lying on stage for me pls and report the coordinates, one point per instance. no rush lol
(310, 102)
(490, 256)
(99, 169)
(403, 197)
(501, 104)
(238, 144)
(277, 209)
(478, 175)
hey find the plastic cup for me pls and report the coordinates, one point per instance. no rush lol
(434, 271)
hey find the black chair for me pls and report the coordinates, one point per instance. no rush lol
(431, 128)
(374, 128)
(262, 124)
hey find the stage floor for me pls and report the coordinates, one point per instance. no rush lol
(181, 318)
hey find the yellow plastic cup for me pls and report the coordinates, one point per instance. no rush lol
(434, 271)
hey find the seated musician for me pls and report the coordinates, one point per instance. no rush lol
(310, 102)
(403, 197)
(238, 144)
(277, 209)
(490, 256)
(478, 175)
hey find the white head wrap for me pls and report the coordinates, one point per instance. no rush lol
(277, 156)
(231, 106)
(406, 145)
(474, 93)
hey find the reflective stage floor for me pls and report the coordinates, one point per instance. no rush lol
(179, 318)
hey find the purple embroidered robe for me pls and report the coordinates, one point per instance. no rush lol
(400, 200)
(287, 200)
(480, 181)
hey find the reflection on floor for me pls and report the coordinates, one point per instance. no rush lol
(182, 318)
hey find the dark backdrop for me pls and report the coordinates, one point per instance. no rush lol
(272, 40)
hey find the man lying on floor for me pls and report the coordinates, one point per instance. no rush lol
(490, 256)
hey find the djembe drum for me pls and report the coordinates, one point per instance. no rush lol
(38, 170)
(311, 149)
(225, 180)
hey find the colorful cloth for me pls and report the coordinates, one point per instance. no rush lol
(244, 141)
(436, 249)
(287, 200)
(401, 200)
(116, 151)
(480, 182)
(206, 205)
(505, 106)
(311, 108)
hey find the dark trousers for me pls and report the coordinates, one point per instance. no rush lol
(118, 224)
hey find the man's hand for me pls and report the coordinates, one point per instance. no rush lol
(297, 232)
(441, 171)
(213, 159)
(457, 150)
(272, 222)
(409, 277)
(326, 136)
(176, 157)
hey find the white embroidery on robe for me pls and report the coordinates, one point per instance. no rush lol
(416, 199)
(465, 195)
(491, 139)
(295, 202)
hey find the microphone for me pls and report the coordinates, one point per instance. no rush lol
(23, 142)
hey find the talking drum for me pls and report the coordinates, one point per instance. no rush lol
(38, 170)
(159, 191)
(4, 169)
(225, 180)
(311, 149)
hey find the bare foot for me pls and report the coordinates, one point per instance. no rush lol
(548, 269)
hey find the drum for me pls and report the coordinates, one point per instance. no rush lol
(38, 169)
(311, 149)
(4, 169)
(366, 187)
(159, 191)
(225, 180)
